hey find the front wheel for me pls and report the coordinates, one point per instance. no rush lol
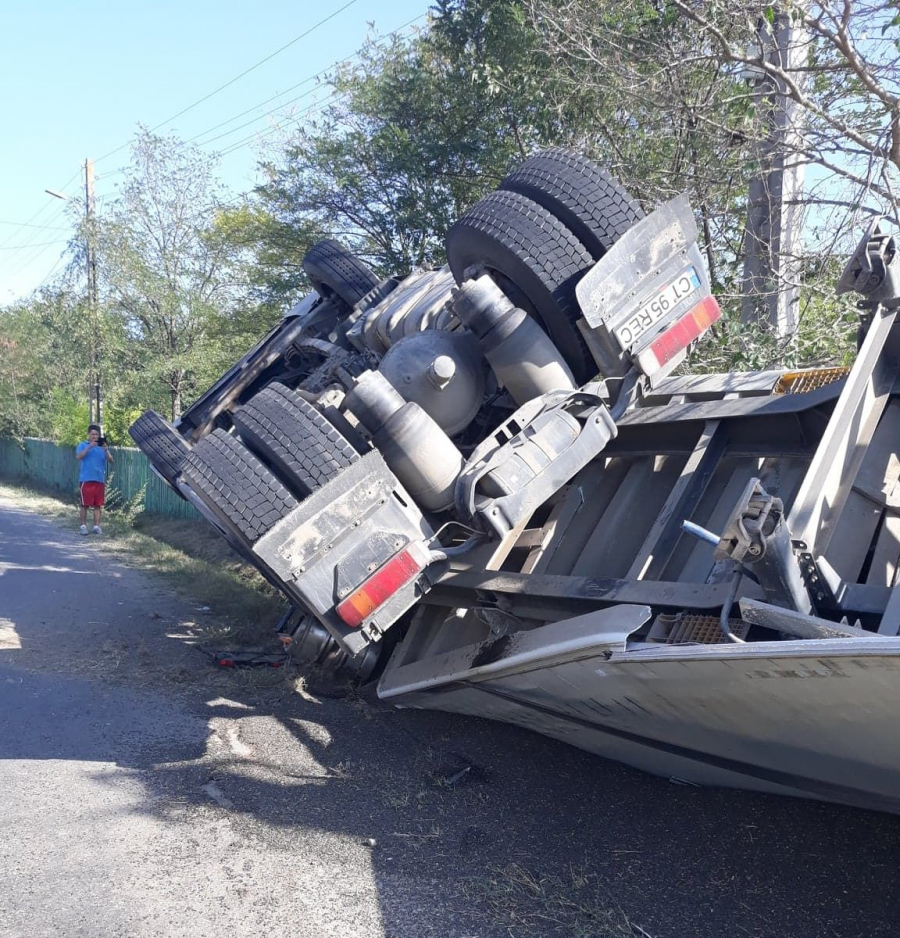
(165, 448)
(335, 271)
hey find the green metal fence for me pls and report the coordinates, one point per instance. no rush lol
(130, 478)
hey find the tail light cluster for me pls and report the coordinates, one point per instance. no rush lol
(378, 588)
(679, 335)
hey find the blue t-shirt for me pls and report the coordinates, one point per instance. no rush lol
(93, 467)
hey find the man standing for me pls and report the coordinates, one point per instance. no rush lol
(93, 454)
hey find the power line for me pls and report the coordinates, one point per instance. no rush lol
(43, 244)
(22, 224)
(50, 272)
(299, 84)
(231, 149)
(230, 82)
(234, 130)
(32, 236)
(244, 141)
(293, 119)
(45, 205)
(30, 259)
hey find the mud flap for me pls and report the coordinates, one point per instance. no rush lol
(334, 540)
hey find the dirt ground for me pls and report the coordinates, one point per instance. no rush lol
(147, 792)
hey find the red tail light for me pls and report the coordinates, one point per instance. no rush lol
(679, 336)
(383, 583)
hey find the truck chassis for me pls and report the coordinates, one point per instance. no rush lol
(694, 575)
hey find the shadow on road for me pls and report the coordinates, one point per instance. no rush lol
(471, 828)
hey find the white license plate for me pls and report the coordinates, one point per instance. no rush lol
(656, 309)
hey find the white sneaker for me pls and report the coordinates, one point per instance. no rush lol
(95, 529)
(83, 529)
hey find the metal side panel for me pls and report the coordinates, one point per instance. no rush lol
(595, 633)
(628, 519)
(855, 527)
(712, 386)
(682, 500)
(815, 719)
(588, 496)
(757, 407)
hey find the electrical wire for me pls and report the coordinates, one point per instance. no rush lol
(43, 244)
(22, 224)
(32, 237)
(245, 140)
(299, 84)
(293, 119)
(44, 206)
(236, 78)
(29, 259)
(52, 270)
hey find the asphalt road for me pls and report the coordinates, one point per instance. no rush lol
(145, 793)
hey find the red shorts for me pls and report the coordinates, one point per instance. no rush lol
(92, 494)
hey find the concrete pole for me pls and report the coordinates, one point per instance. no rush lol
(772, 242)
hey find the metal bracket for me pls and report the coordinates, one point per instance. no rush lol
(530, 457)
(817, 585)
(756, 535)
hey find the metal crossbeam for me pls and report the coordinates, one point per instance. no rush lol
(856, 414)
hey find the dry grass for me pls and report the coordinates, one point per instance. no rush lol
(575, 905)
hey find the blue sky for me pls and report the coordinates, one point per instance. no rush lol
(78, 78)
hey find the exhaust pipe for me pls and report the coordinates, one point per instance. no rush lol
(521, 354)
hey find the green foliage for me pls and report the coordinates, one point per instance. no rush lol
(411, 141)
(826, 335)
(125, 509)
(68, 418)
(173, 279)
(116, 421)
(276, 247)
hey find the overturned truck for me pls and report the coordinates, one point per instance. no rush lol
(484, 487)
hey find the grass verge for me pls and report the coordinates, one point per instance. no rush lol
(189, 554)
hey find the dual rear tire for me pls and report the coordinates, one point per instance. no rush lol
(552, 218)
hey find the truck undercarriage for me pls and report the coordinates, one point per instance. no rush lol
(691, 574)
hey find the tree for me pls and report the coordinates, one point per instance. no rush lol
(168, 276)
(720, 89)
(408, 142)
(275, 240)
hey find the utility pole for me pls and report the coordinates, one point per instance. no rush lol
(95, 394)
(90, 253)
(772, 241)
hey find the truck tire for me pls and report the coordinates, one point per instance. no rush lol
(165, 448)
(293, 438)
(334, 271)
(538, 260)
(574, 189)
(236, 486)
